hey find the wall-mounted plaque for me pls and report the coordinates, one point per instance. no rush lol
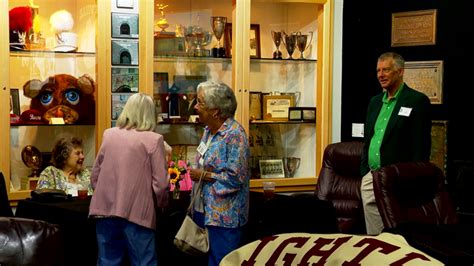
(124, 79)
(125, 52)
(124, 25)
(427, 77)
(414, 28)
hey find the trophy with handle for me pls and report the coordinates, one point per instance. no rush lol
(301, 41)
(291, 164)
(218, 27)
(276, 36)
(289, 40)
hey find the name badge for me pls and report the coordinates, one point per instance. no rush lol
(202, 148)
(405, 111)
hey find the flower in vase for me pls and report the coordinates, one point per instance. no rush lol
(177, 170)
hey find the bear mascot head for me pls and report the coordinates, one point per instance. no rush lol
(63, 96)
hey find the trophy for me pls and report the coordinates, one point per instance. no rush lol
(301, 40)
(31, 157)
(218, 27)
(162, 22)
(290, 43)
(291, 164)
(197, 38)
(276, 36)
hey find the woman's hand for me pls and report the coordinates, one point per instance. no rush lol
(195, 175)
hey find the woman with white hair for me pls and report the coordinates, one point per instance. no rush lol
(130, 183)
(223, 157)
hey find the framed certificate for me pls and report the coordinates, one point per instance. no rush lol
(275, 107)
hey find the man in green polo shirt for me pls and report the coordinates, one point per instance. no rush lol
(397, 129)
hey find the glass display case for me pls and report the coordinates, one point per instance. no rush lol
(245, 44)
(51, 82)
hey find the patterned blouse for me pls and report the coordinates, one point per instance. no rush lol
(226, 201)
(54, 178)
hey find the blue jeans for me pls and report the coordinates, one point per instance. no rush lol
(117, 237)
(222, 240)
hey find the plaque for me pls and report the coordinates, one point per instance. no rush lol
(427, 77)
(124, 25)
(275, 107)
(414, 28)
(125, 52)
(255, 105)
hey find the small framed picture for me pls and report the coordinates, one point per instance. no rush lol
(125, 3)
(306, 114)
(124, 79)
(124, 25)
(276, 107)
(125, 52)
(14, 102)
(271, 168)
(255, 50)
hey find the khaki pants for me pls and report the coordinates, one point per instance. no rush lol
(373, 221)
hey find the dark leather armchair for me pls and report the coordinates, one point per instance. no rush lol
(413, 201)
(339, 182)
(29, 242)
(412, 192)
(5, 209)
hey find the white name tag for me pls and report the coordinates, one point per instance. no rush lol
(405, 111)
(202, 148)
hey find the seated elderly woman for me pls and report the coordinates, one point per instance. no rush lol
(67, 171)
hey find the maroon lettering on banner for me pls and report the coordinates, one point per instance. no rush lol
(408, 257)
(263, 242)
(316, 250)
(299, 242)
(372, 244)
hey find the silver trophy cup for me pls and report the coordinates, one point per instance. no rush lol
(276, 36)
(218, 27)
(291, 164)
(290, 43)
(301, 41)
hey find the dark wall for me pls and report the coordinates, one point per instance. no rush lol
(367, 34)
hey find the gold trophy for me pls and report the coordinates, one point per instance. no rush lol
(162, 22)
(31, 157)
(301, 40)
(276, 36)
(218, 27)
(290, 43)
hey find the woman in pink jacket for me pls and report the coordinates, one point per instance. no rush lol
(130, 183)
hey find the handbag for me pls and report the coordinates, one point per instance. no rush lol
(191, 238)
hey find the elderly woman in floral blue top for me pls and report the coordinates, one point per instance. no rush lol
(67, 172)
(223, 158)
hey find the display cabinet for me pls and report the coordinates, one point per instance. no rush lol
(34, 63)
(186, 51)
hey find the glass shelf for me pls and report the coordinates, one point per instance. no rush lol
(47, 53)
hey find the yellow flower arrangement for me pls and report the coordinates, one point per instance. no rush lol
(176, 170)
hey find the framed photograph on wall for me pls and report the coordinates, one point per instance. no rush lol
(124, 79)
(255, 50)
(124, 25)
(125, 52)
(14, 102)
(271, 168)
(118, 102)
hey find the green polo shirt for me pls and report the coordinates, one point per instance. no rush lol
(380, 126)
